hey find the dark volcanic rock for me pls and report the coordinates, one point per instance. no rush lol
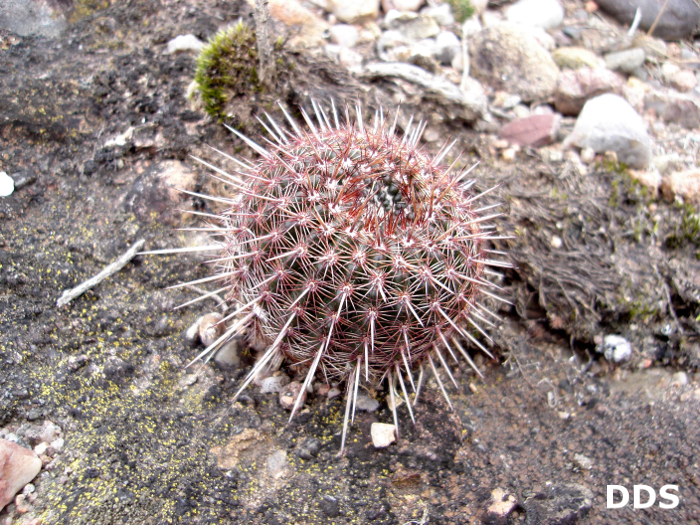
(677, 21)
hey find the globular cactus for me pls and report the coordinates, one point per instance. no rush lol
(355, 255)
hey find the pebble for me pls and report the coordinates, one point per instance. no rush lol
(277, 463)
(547, 14)
(509, 58)
(366, 403)
(274, 384)
(344, 35)
(184, 43)
(616, 348)
(210, 328)
(354, 12)
(583, 462)
(383, 434)
(288, 397)
(576, 58)
(401, 5)
(414, 27)
(7, 184)
(627, 61)
(18, 466)
(575, 88)
(535, 130)
(556, 242)
(685, 184)
(442, 14)
(609, 123)
(680, 79)
(500, 505)
(228, 353)
(447, 46)
(679, 379)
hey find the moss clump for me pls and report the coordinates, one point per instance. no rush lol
(462, 9)
(227, 69)
(688, 230)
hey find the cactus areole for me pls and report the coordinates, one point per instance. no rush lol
(354, 255)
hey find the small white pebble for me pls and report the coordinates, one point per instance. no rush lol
(556, 242)
(7, 184)
(587, 155)
(509, 154)
(333, 392)
(583, 462)
(366, 403)
(184, 43)
(274, 384)
(383, 434)
(41, 448)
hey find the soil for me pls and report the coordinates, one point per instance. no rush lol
(551, 424)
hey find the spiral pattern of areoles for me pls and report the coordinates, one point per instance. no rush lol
(356, 255)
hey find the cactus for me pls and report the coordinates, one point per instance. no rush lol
(354, 255)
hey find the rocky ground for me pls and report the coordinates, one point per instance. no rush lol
(596, 381)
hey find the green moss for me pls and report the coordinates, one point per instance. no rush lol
(687, 231)
(462, 9)
(227, 68)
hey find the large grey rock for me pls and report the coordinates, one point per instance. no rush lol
(609, 123)
(677, 21)
(507, 57)
(32, 17)
(546, 14)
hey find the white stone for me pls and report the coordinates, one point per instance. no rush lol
(470, 27)
(609, 123)
(7, 184)
(441, 13)
(547, 14)
(447, 46)
(183, 43)
(583, 462)
(616, 348)
(383, 434)
(354, 12)
(344, 35)
(491, 18)
(274, 384)
(228, 354)
(407, 5)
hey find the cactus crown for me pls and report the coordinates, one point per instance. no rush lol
(353, 254)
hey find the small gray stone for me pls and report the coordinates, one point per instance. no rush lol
(366, 403)
(415, 27)
(609, 123)
(627, 61)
